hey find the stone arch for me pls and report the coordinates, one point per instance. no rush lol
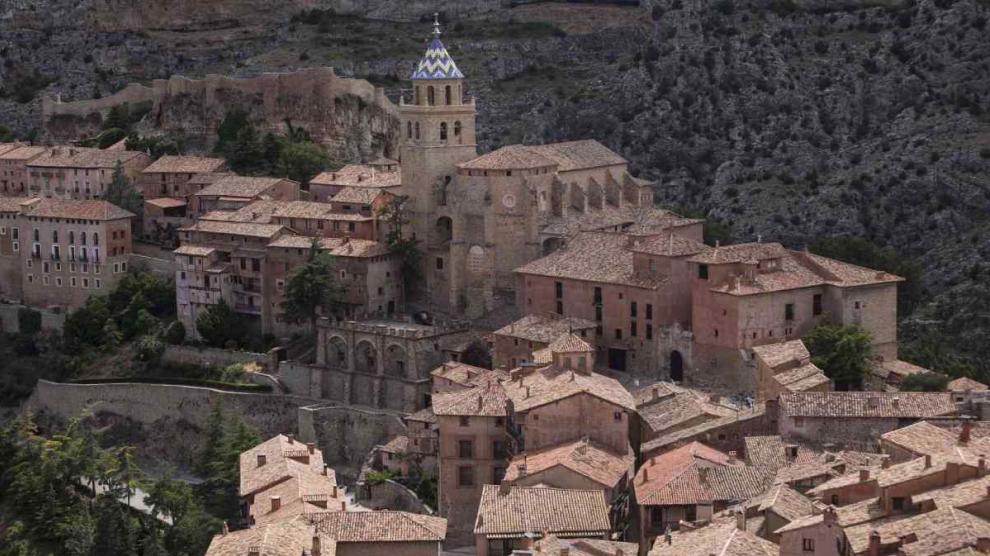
(551, 244)
(457, 131)
(396, 361)
(337, 353)
(443, 131)
(676, 366)
(430, 96)
(365, 357)
(447, 94)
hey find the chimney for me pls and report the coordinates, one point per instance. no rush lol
(741, 520)
(334, 491)
(646, 474)
(343, 505)
(503, 488)
(874, 549)
(864, 475)
(325, 470)
(276, 503)
(529, 541)
(291, 437)
(527, 391)
(480, 401)
(981, 466)
(311, 446)
(656, 393)
(928, 461)
(262, 460)
(966, 432)
(829, 516)
(885, 462)
(317, 549)
(226, 528)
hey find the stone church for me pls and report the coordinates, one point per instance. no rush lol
(478, 218)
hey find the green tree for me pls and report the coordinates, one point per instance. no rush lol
(301, 161)
(311, 289)
(842, 352)
(218, 324)
(175, 333)
(121, 192)
(84, 327)
(925, 382)
(28, 321)
(405, 248)
(477, 354)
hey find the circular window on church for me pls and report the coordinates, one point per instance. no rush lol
(476, 259)
(508, 200)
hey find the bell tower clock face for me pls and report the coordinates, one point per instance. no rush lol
(508, 200)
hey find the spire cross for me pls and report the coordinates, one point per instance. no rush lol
(436, 24)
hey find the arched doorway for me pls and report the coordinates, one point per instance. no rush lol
(337, 353)
(395, 361)
(676, 366)
(365, 358)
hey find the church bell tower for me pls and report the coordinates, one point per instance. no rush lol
(438, 132)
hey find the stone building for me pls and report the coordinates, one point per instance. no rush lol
(724, 538)
(170, 176)
(56, 253)
(14, 178)
(66, 172)
(516, 343)
(856, 419)
(232, 192)
(786, 367)
(380, 363)
(383, 175)
(473, 452)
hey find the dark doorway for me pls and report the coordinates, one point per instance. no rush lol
(676, 366)
(617, 359)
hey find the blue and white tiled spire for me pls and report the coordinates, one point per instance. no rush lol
(437, 63)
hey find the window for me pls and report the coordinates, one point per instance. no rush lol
(99, 284)
(703, 271)
(558, 288)
(243, 263)
(498, 473)
(417, 130)
(618, 333)
(457, 130)
(598, 313)
(632, 309)
(409, 130)
(465, 420)
(898, 503)
(465, 476)
(835, 499)
(799, 422)
(430, 96)
(465, 449)
(856, 305)
(58, 282)
(447, 95)
(598, 296)
(256, 265)
(617, 416)
(649, 331)
(649, 311)
(443, 131)
(632, 329)
(560, 307)
(789, 311)
(808, 545)
(816, 304)
(439, 263)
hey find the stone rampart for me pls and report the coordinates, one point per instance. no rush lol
(351, 118)
(9, 323)
(211, 356)
(347, 433)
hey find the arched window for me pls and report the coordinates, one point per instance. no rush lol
(443, 131)
(417, 130)
(409, 130)
(457, 130)
(448, 94)
(72, 237)
(83, 238)
(476, 259)
(96, 238)
(54, 236)
(429, 96)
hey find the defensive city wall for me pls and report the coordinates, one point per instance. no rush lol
(169, 421)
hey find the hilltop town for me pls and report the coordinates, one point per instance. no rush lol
(441, 349)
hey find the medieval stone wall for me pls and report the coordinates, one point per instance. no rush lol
(347, 434)
(351, 118)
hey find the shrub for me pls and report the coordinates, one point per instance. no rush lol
(175, 333)
(28, 321)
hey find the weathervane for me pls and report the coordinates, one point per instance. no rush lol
(436, 24)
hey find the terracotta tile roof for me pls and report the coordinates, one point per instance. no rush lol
(235, 228)
(806, 470)
(23, 153)
(466, 375)
(520, 510)
(773, 453)
(511, 157)
(801, 379)
(338, 247)
(570, 343)
(83, 210)
(550, 384)
(397, 445)
(593, 257)
(185, 165)
(787, 503)
(740, 253)
(206, 178)
(919, 467)
(81, 157)
(700, 431)
(849, 478)
(578, 155)
(7, 147)
(925, 438)
(962, 495)
(551, 545)
(790, 353)
(239, 186)
(665, 406)
(867, 404)
(733, 483)
(926, 534)
(357, 195)
(629, 218)
(894, 370)
(194, 250)
(846, 516)
(669, 245)
(585, 458)
(381, 526)
(488, 400)
(965, 384)
(282, 459)
(166, 202)
(544, 328)
(717, 539)
(672, 478)
(359, 175)
(12, 204)
(289, 537)
(425, 415)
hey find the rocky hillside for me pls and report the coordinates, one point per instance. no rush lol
(792, 120)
